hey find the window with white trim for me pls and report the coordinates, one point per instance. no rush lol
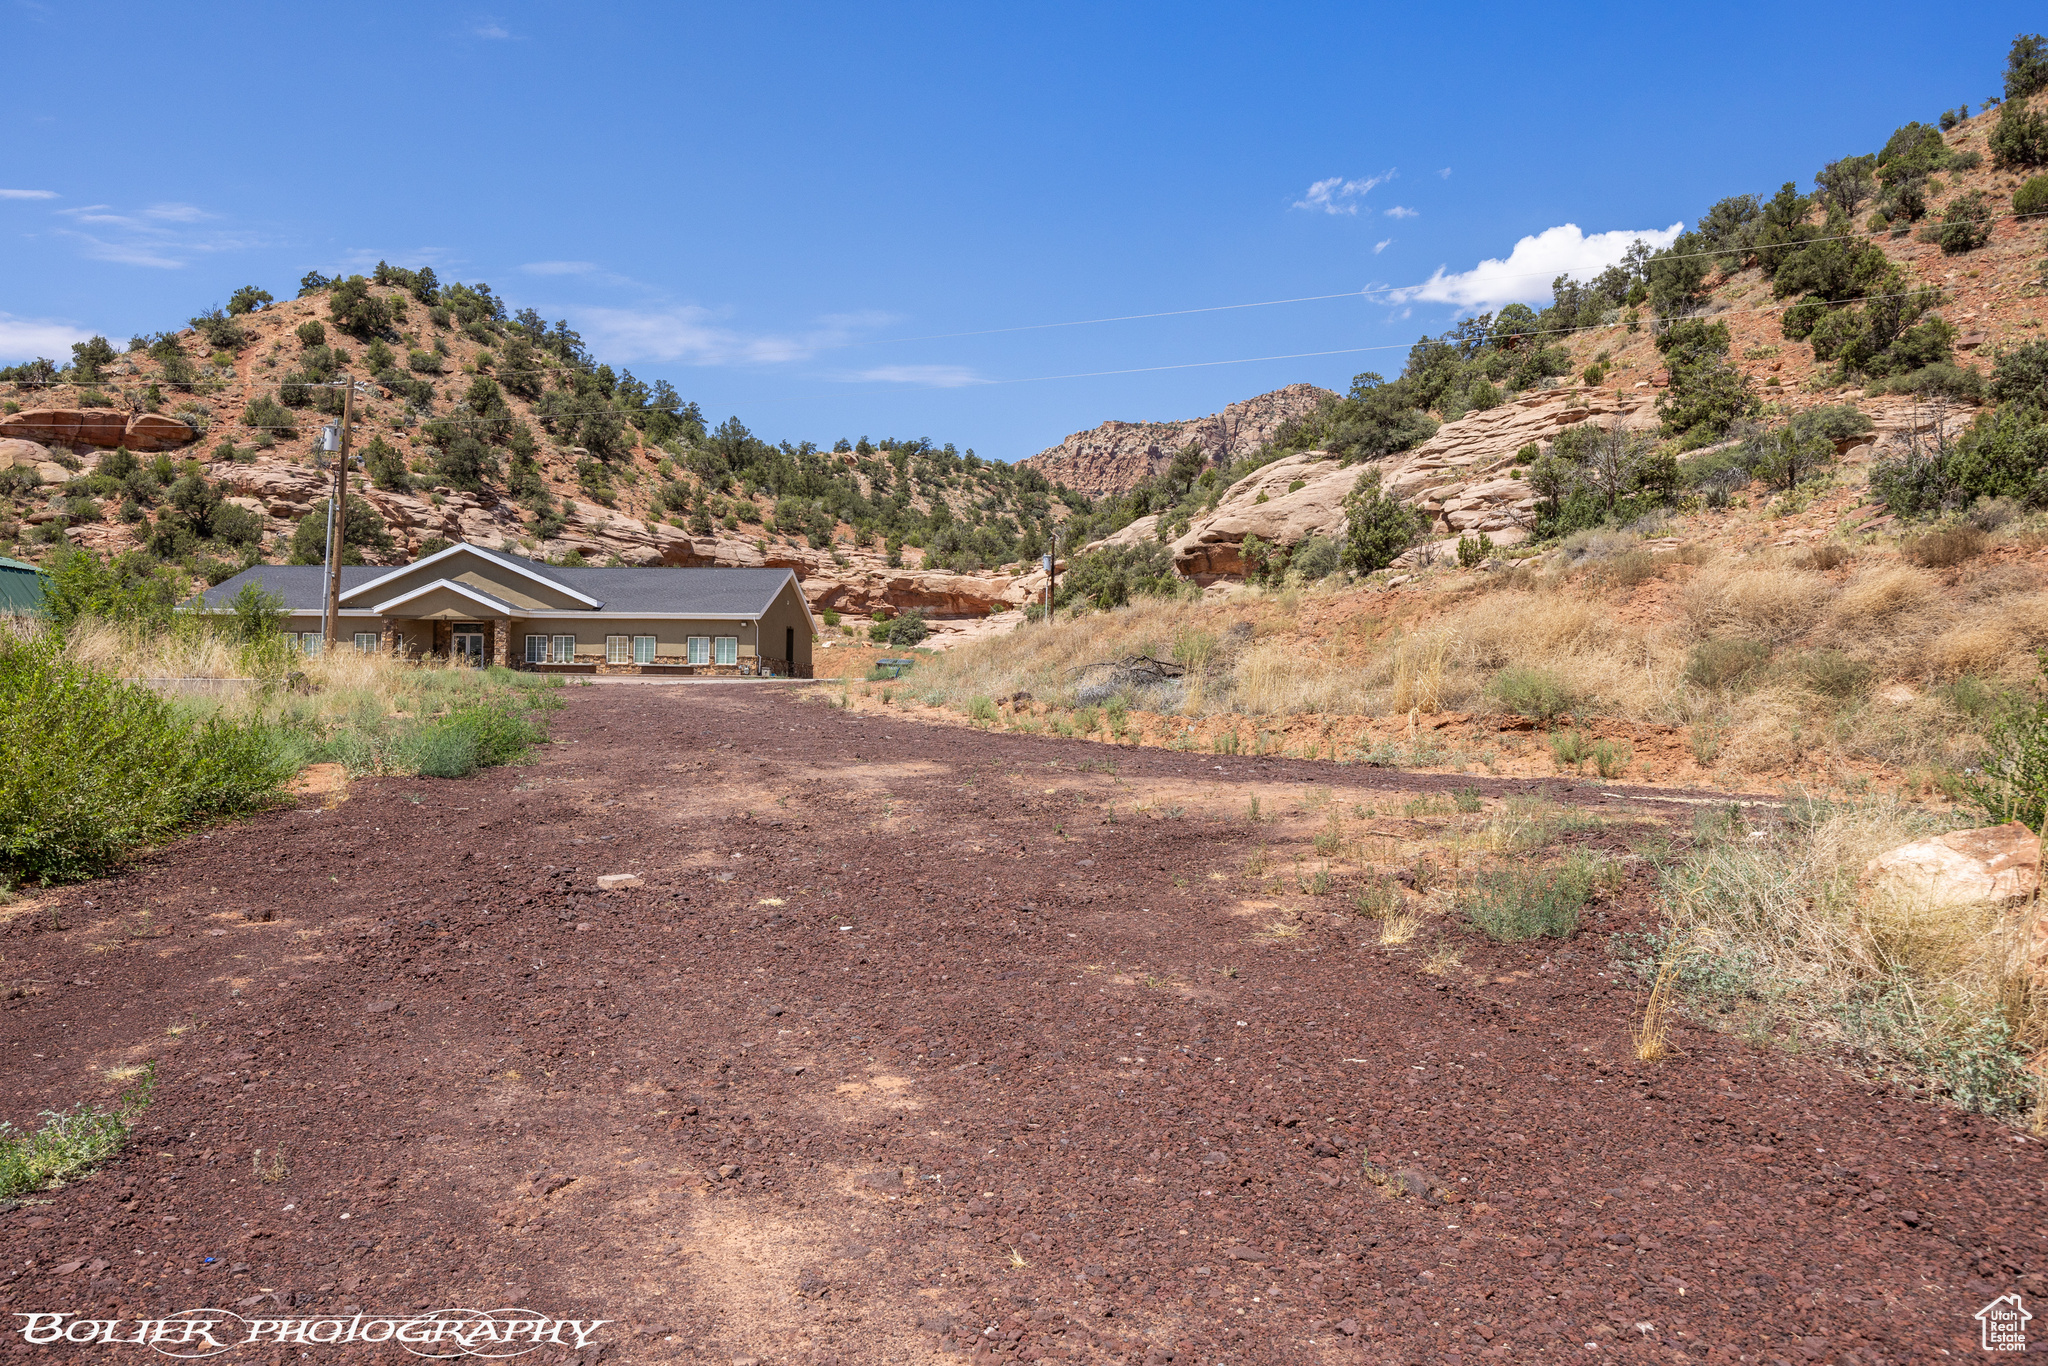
(366, 642)
(564, 651)
(728, 649)
(536, 649)
(618, 649)
(699, 650)
(314, 642)
(643, 649)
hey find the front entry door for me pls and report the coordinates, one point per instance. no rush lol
(469, 643)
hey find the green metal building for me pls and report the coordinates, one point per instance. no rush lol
(21, 588)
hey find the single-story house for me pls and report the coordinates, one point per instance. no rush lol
(490, 607)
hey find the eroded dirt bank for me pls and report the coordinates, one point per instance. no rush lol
(920, 1040)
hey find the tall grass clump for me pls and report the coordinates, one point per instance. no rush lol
(69, 1143)
(1939, 993)
(96, 767)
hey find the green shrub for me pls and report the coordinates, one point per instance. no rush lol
(1377, 526)
(1473, 550)
(2020, 374)
(2020, 137)
(1112, 576)
(1523, 902)
(357, 311)
(1965, 224)
(982, 711)
(2032, 197)
(98, 767)
(878, 632)
(247, 300)
(311, 333)
(1569, 749)
(908, 629)
(265, 413)
(1534, 693)
(1718, 664)
(361, 526)
(471, 736)
(1611, 758)
(1316, 558)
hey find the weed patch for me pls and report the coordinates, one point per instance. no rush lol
(1517, 903)
(69, 1144)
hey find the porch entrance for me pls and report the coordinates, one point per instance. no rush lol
(468, 643)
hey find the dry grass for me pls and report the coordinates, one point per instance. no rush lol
(1419, 665)
(1651, 1037)
(1399, 929)
(1258, 654)
(1941, 990)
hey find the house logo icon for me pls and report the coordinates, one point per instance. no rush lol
(2005, 1324)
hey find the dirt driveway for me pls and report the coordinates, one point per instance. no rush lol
(915, 1042)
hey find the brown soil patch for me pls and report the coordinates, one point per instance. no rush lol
(919, 1040)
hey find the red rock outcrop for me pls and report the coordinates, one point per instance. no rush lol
(1115, 456)
(103, 427)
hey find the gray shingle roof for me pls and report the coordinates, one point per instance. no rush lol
(623, 591)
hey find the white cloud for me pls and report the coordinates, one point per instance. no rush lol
(1526, 275)
(1338, 195)
(28, 194)
(175, 213)
(26, 338)
(696, 336)
(559, 267)
(931, 376)
(1444, 174)
(160, 236)
(411, 258)
(1382, 245)
(1398, 211)
(490, 29)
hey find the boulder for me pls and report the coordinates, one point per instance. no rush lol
(1963, 867)
(152, 432)
(70, 426)
(18, 453)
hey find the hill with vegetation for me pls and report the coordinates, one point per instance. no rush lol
(470, 422)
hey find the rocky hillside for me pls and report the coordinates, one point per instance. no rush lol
(1117, 456)
(196, 447)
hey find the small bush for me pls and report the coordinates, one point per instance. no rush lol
(1611, 758)
(1534, 693)
(1569, 749)
(2019, 138)
(311, 333)
(1473, 550)
(2032, 197)
(1946, 548)
(471, 736)
(1718, 664)
(982, 710)
(1518, 903)
(908, 629)
(1316, 558)
(1834, 674)
(265, 413)
(1965, 225)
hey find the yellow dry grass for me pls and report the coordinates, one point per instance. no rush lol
(1760, 601)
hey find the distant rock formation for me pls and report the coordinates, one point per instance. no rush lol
(1115, 456)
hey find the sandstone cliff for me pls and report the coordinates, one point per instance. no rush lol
(1115, 456)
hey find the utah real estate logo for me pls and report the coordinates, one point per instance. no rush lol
(2005, 1324)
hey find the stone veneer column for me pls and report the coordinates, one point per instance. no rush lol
(389, 642)
(501, 642)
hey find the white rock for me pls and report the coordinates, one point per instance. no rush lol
(1992, 863)
(612, 882)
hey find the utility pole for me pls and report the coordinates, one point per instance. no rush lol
(337, 516)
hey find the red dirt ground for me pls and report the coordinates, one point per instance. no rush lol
(918, 1041)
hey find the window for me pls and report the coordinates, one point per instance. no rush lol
(564, 651)
(728, 649)
(366, 642)
(536, 649)
(643, 649)
(700, 650)
(314, 642)
(618, 649)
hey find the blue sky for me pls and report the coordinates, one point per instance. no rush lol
(791, 212)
